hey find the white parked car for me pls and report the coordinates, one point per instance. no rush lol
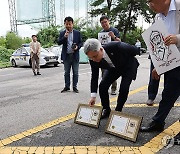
(21, 57)
(56, 49)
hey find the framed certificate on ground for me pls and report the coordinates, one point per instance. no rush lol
(87, 115)
(123, 125)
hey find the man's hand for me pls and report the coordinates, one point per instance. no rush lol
(155, 75)
(111, 34)
(92, 101)
(170, 39)
(66, 34)
(38, 53)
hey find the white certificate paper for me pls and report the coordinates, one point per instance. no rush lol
(88, 115)
(104, 38)
(123, 125)
(119, 124)
(164, 57)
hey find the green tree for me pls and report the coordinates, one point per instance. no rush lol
(48, 36)
(90, 32)
(123, 13)
(133, 35)
(26, 40)
(2, 41)
(13, 41)
(86, 32)
(5, 54)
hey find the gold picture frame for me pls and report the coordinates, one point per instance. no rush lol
(87, 115)
(123, 125)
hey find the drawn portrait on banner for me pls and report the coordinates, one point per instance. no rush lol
(159, 49)
(104, 38)
(163, 57)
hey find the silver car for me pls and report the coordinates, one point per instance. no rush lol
(21, 57)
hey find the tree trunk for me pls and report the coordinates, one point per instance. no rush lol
(128, 21)
(109, 2)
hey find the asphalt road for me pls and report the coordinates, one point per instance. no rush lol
(27, 101)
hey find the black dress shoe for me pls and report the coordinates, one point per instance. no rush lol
(105, 113)
(34, 73)
(38, 73)
(75, 90)
(177, 139)
(153, 126)
(65, 89)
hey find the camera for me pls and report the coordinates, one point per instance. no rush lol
(73, 46)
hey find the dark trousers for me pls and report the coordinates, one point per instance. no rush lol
(114, 84)
(153, 85)
(108, 78)
(68, 63)
(35, 62)
(170, 94)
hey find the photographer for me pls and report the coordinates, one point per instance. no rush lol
(72, 42)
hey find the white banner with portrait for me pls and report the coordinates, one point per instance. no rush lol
(104, 38)
(164, 57)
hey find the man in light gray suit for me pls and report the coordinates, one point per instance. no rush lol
(35, 50)
(169, 12)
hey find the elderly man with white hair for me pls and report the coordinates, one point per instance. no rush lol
(118, 59)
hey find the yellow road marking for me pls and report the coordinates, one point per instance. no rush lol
(151, 147)
(37, 129)
(131, 92)
(156, 143)
(145, 105)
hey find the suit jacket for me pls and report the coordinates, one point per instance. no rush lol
(123, 58)
(34, 50)
(76, 39)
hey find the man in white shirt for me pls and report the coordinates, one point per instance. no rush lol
(169, 12)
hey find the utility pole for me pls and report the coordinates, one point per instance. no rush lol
(76, 9)
(89, 19)
(45, 12)
(12, 13)
(62, 11)
(52, 14)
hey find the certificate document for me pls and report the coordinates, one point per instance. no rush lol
(88, 115)
(123, 125)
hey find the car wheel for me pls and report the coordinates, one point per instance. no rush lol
(13, 63)
(55, 65)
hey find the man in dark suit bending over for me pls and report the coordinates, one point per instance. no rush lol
(118, 58)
